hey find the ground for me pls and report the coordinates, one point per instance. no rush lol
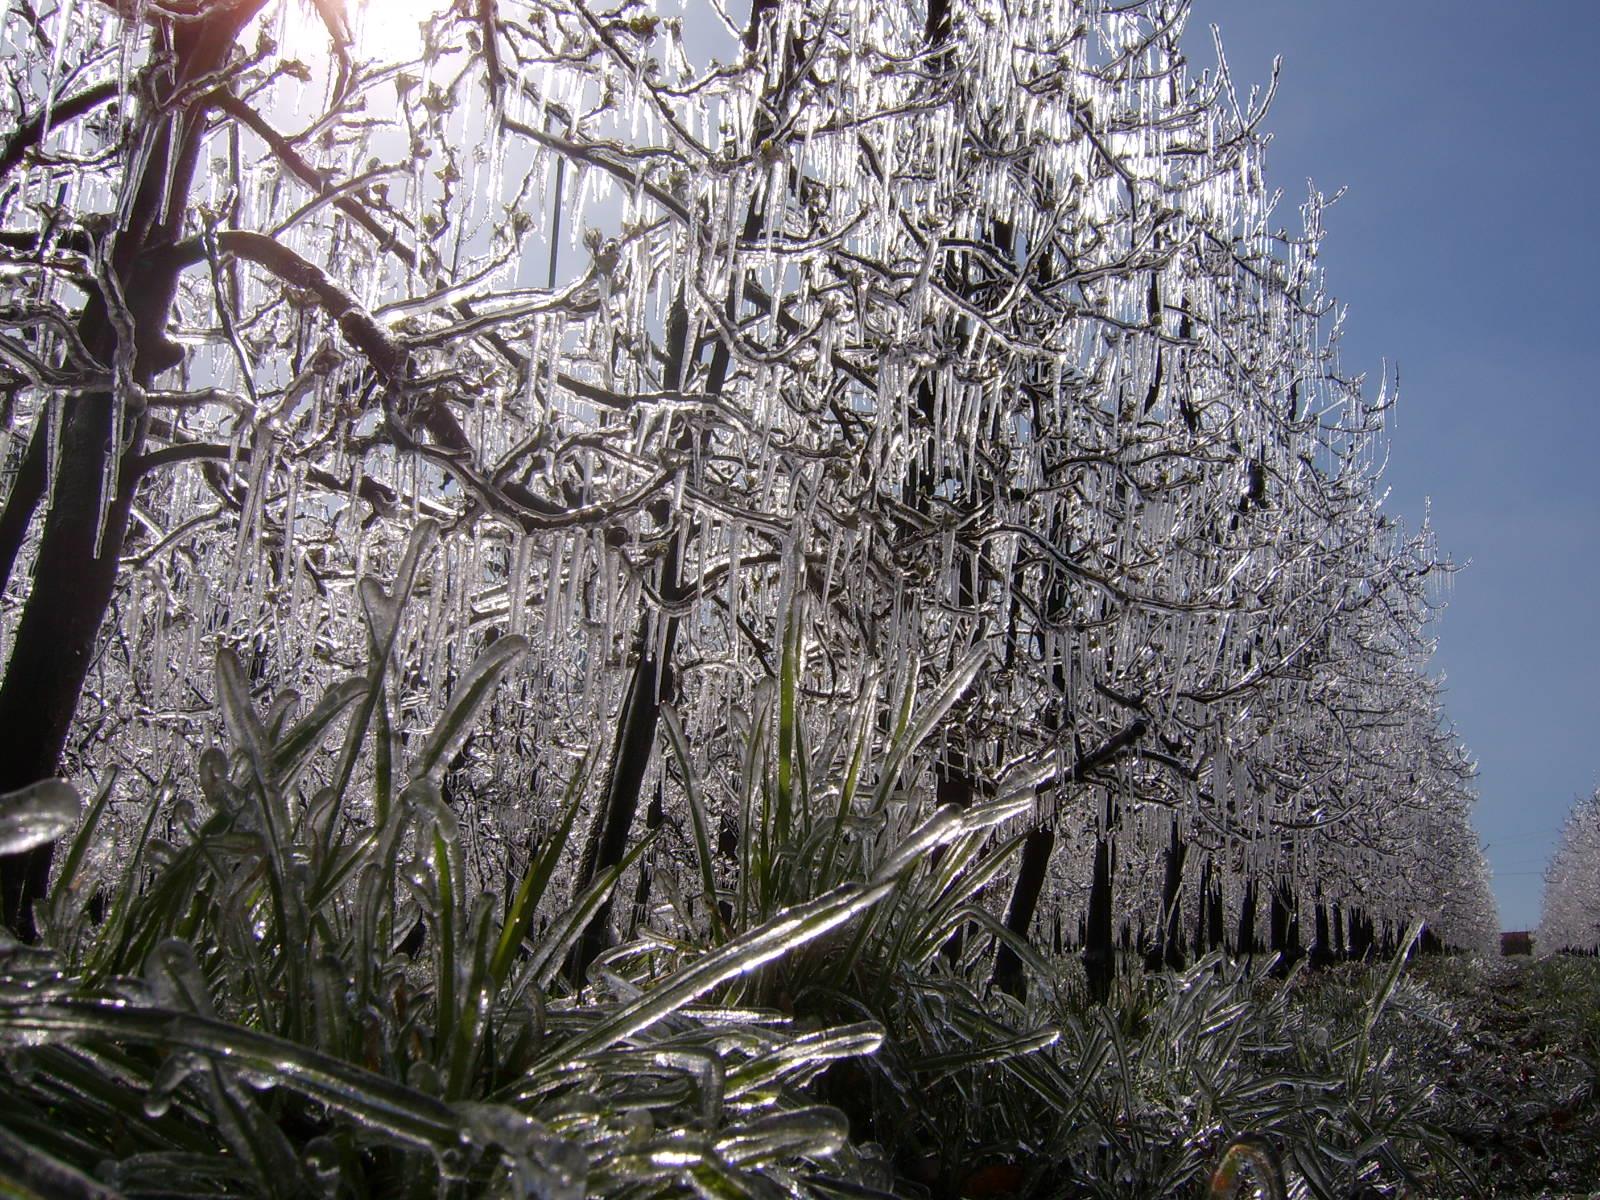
(1520, 1094)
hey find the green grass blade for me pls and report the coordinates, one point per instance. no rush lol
(519, 914)
(63, 900)
(559, 938)
(913, 733)
(476, 686)
(244, 727)
(471, 1020)
(294, 750)
(109, 954)
(284, 892)
(444, 940)
(697, 817)
(382, 610)
(788, 684)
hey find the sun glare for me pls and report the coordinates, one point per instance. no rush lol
(388, 30)
(379, 30)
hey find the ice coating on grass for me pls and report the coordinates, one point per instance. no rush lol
(37, 815)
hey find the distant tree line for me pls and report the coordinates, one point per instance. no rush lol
(1570, 923)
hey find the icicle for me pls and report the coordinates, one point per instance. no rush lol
(64, 37)
(54, 415)
(520, 560)
(110, 464)
(555, 620)
(436, 627)
(735, 544)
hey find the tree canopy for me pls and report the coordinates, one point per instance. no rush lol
(953, 350)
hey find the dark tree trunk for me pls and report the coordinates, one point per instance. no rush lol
(1168, 948)
(607, 841)
(1036, 848)
(954, 784)
(75, 572)
(1285, 928)
(653, 818)
(653, 676)
(1214, 911)
(1099, 955)
(1246, 945)
(1172, 901)
(1360, 935)
(1322, 947)
(1278, 921)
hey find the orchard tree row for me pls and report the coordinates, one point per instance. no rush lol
(1570, 922)
(788, 384)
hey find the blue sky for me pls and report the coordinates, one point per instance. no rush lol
(1468, 135)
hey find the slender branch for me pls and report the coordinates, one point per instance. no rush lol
(307, 174)
(387, 356)
(31, 132)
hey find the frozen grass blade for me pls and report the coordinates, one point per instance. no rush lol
(37, 815)
(551, 951)
(444, 930)
(400, 1112)
(788, 727)
(284, 890)
(754, 843)
(382, 609)
(109, 951)
(476, 686)
(519, 914)
(1379, 1000)
(742, 955)
(26, 1172)
(698, 821)
(860, 729)
(471, 1021)
(294, 750)
(383, 780)
(797, 1058)
(787, 930)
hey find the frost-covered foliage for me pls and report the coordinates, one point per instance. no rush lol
(274, 1000)
(905, 343)
(1571, 916)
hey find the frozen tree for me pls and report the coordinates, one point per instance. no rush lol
(903, 344)
(1571, 917)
